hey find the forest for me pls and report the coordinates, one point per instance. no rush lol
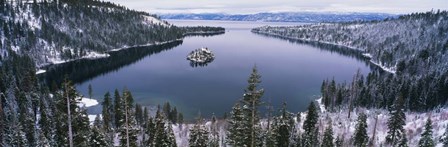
(403, 108)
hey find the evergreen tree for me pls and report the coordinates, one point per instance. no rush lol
(150, 131)
(214, 134)
(128, 129)
(90, 91)
(251, 101)
(445, 137)
(161, 133)
(81, 128)
(403, 141)
(309, 137)
(282, 128)
(107, 117)
(360, 136)
(118, 108)
(45, 123)
(98, 137)
(339, 141)
(328, 137)
(66, 114)
(426, 139)
(198, 135)
(235, 135)
(396, 123)
(171, 138)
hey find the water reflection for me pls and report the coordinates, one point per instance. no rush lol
(86, 69)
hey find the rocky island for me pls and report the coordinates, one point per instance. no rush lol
(200, 57)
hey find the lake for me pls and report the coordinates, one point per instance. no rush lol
(291, 71)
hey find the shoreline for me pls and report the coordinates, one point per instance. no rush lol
(40, 69)
(364, 54)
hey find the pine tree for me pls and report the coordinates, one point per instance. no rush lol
(309, 138)
(150, 131)
(128, 129)
(282, 127)
(98, 137)
(328, 136)
(118, 108)
(426, 139)
(214, 134)
(339, 141)
(251, 101)
(396, 123)
(403, 141)
(90, 91)
(445, 137)
(162, 137)
(45, 123)
(107, 117)
(198, 135)
(171, 138)
(66, 115)
(360, 136)
(81, 128)
(234, 131)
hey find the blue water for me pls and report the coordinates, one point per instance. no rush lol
(291, 72)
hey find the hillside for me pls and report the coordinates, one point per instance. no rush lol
(57, 31)
(307, 17)
(387, 42)
(412, 47)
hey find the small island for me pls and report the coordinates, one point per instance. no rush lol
(200, 57)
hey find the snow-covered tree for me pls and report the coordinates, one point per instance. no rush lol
(250, 102)
(235, 135)
(129, 129)
(403, 141)
(328, 137)
(107, 118)
(339, 141)
(396, 123)
(118, 108)
(444, 138)
(162, 133)
(360, 136)
(214, 134)
(426, 139)
(98, 136)
(309, 137)
(198, 136)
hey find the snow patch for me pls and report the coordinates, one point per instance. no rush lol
(86, 102)
(40, 71)
(388, 69)
(152, 20)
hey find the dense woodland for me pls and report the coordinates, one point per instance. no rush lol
(33, 114)
(58, 30)
(413, 46)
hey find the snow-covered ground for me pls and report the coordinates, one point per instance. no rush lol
(143, 45)
(152, 20)
(86, 102)
(345, 127)
(40, 71)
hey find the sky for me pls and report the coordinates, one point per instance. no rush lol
(257, 6)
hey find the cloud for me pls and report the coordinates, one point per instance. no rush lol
(256, 6)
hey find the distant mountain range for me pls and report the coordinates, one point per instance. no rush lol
(284, 17)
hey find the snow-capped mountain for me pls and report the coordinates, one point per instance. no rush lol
(285, 17)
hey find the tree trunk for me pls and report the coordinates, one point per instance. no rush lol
(253, 123)
(126, 120)
(372, 143)
(69, 120)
